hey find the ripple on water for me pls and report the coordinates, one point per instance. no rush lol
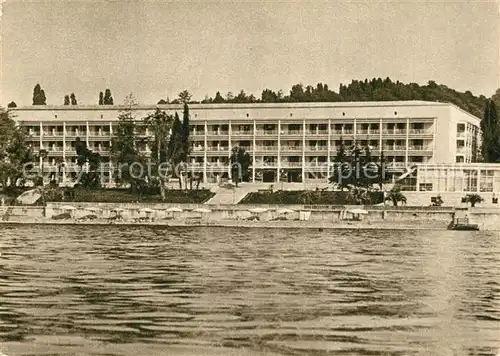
(209, 291)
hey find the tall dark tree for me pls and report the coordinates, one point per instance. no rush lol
(490, 126)
(39, 96)
(73, 99)
(66, 100)
(185, 133)
(175, 153)
(218, 98)
(108, 98)
(101, 98)
(240, 165)
(160, 123)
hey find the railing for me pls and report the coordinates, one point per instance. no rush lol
(291, 148)
(317, 148)
(461, 134)
(291, 132)
(267, 132)
(266, 148)
(53, 134)
(318, 132)
(291, 164)
(420, 132)
(217, 149)
(242, 133)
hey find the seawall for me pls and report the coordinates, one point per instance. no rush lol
(242, 215)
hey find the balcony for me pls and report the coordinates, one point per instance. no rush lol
(218, 149)
(267, 132)
(75, 133)
(419, 148)
(368, 132)
(52, 134)
(291, 164)
(291, 148)
(291, 133)
(217, 133)
(394, 132)
(317, 133)
(317, 148)
(266, 148)
(242, 133)
(259, 164)
(461, 134)
(420, 132)
(394, 148)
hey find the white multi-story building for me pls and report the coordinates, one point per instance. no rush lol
(295, 142)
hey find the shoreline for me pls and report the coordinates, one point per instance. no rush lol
(354, 225)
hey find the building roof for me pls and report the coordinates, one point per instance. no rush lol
(236, 106)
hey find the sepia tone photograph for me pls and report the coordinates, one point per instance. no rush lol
(249, 178)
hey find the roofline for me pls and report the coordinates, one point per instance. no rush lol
(337, 104)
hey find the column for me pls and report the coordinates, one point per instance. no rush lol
(205, 154)
(354, 130)
(304, 151)
(478, 188)
(328, 155)
(380, 143)
(278, 176)
(41, 146)
(64, 141)
(229, 131)
(407, 140)
(253, 150)
(87, 133)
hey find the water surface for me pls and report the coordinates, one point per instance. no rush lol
(111, 290)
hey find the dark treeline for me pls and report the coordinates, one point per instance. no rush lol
(376, 89)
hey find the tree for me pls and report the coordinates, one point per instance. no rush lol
(395, 196)
(490, 126)
(12, 105)
(73, 99)
(39, 95)
(218, 98)
(16, 157)
(473, 199)
(160, 123)
(66, 100)
(184, 97)
(185, 134)
(175, 152)
(89, 163)
(125, 151)
(101, 98)
(240, 165)
(108, 98)
(162, 102)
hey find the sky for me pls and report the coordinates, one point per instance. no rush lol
(155, 49)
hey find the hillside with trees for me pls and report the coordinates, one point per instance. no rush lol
(376, 89)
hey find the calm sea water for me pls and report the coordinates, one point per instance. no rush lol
(81, 290)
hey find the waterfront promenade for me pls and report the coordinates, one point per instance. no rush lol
(268, 216)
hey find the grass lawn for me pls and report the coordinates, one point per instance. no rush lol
(297, 197)
(126, 196)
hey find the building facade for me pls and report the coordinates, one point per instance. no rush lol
(292, 142)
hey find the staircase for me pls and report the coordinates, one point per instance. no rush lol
(229, 195)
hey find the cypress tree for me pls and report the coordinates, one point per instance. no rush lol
(108, 99)
(66, 100)
(73, 99)
(101, 98)
(490, 126)
(185, 133)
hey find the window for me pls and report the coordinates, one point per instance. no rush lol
(459, 159)
(425, 187)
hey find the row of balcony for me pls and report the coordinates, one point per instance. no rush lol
(308, 148)
(319, 132)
